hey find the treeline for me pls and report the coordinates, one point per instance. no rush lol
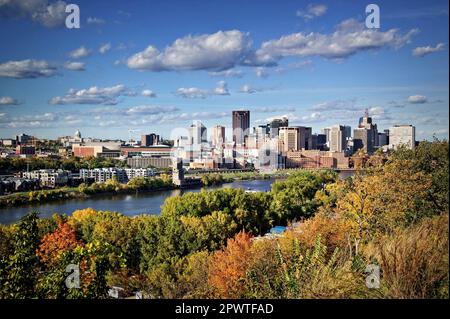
(162, 182)
(206, 245)
(11, 165)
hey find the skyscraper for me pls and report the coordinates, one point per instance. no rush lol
(337, 138)
(149, 139)
(218, 136)
(276, 124)
(366, 135)
(197, 133)
(241, 126)
(295, 138)
(402, 135)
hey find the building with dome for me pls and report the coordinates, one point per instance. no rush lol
(68, 141)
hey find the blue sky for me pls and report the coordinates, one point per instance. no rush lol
(154, 66)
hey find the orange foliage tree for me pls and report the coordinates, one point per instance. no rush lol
(228, 267)
(54, 244)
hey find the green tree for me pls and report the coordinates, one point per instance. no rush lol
(18, 271)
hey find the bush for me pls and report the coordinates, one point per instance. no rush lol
(414, 261)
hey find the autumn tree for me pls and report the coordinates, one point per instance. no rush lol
(18, 271)
(227, 267)
(53, 245)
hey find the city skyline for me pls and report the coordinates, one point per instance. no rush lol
(131, 67)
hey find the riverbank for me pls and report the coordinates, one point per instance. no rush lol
(128, 204)
(137, 185)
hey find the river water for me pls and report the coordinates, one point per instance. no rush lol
(129, 204)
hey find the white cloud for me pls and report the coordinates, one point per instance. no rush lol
(336, 105)
(417, 99)
(225, 50)
(39, 11)
(7, 100)
(27, 69)
(150, 110)
(81, 52)
(75, 66)
(104, 48)
(216, 52)
(192, 93)
(246, 88)
(148, 93)
(312, 11)
(295, 118)
(52, 15)
(228, 73)
(197, 93)
(422, 51)
(221, 89)
(261, 72)
(293, 66)
(266, 109)
(95, 20)
(92, 95)
(349, 38)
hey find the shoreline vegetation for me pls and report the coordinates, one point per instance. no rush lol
(139, 184)
(214, 244)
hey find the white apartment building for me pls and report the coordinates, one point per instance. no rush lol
(402, 135)
(123, 175)
(49, 177)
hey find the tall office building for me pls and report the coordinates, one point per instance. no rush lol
(197, 132)
(326, 132)
(295, 138)
(289, 139)
(337, 138)
(402, 135)
(347, 134)
(276, 124)
(362, 139)
(241, 126)
(367, 123)
(218, 136)
(306, 138)
(382, 139)
(149, 139)
(366, 135)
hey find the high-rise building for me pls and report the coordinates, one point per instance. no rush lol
(149, 139)
(337, 138)
(295, 138)
(306, 138)
(275, 125)
(321, 142)
(218, 136)
(289, 139)
(387, 136)
(241, 126)
(367, 123)
(326, 132)
(24, 139)
(197, 132)
(382, 139)
(402, 135)
(366, 135)
(362, 139)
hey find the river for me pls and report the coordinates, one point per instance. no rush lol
(127, 204)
